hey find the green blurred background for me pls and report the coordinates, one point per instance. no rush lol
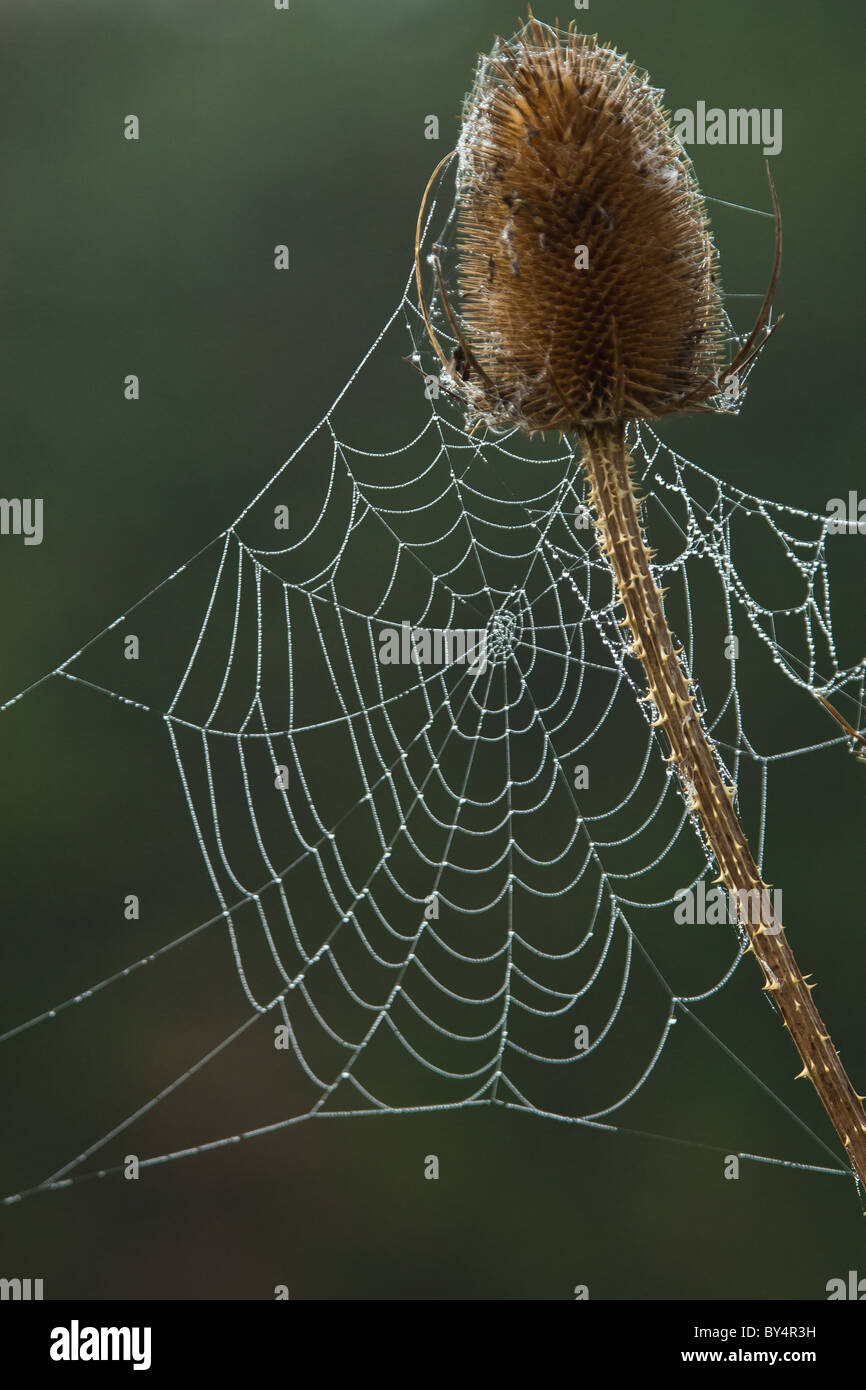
(307, 127)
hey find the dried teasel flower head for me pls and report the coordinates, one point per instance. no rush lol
(588, 285)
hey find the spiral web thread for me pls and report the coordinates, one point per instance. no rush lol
(416, 881)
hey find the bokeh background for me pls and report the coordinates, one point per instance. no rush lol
(307, 127)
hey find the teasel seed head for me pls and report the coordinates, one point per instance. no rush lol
(588, 286)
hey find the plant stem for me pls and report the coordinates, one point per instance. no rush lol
(613, 500)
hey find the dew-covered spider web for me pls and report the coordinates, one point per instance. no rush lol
(451, 883)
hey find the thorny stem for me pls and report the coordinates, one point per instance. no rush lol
(613, 500)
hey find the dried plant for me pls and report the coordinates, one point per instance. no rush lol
(588, 298)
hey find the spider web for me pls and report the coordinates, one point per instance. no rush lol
(452, 884)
